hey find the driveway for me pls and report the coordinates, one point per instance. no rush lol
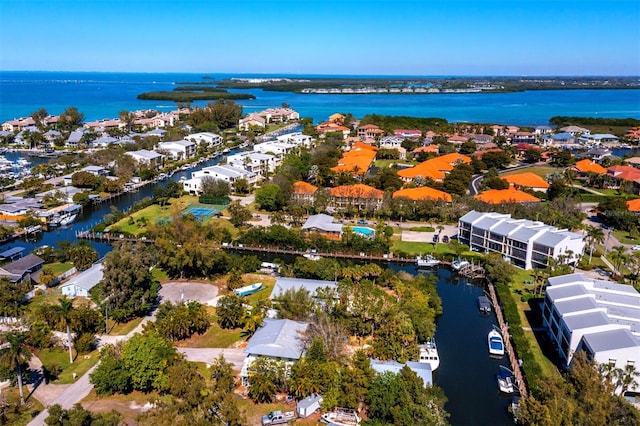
(207, 355)
(176, 292)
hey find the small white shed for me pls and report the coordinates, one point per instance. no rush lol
(81, 284)
(308, 406)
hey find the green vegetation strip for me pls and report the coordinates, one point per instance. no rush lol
(192, 96)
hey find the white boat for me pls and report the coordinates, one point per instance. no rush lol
(429, 354)
(247, 290)
(515, 408)
(505, 381)
(67, 219)
(495, 342)
(341, 417)
(459, 264)
(311, 256)
(427, 261)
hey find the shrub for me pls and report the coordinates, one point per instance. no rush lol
(85, 342)
(422, 229)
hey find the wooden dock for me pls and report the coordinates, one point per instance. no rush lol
(504, 329)
(335, 255)
(473, 272)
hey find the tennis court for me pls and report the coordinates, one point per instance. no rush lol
(200, 212)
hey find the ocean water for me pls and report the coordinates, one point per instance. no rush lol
(103, 95)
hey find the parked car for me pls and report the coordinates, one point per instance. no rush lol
(635, 248)
(435, 238)
(445, 239)
(362, 222)
(278, 417)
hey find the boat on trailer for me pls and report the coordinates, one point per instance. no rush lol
(247, 290)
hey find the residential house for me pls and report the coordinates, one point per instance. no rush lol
(75, 137)
(480, 138)
(457, 139)
(625, 173)
(370, 131)
(104, 141)
(422, 193)
(151, 159)
(564, 138)
(332, 127)
(599, 317)
(408, 133)
(94, 170)
(434, 168)
(422, 369)
(303, 192)
(18, 124)
(506, 196)
(633, 134)
(81, 284)
(527, 180)
(358, 196)
(105, 124)
(226, 173)
(211, 139)
(587, 166)
(277, 339)
(527, 244)
(284, 285)
(391, 142)
(323, 224)
(597, 139)
(542, 130)
(575, 130)
(357, 161)
(596, 154)
(634, 205)
(255, 162)
(278, 149)
(252, 120)
(178, 150)
(523, 137)
(297, 139)
(511, 130)
(25, 268)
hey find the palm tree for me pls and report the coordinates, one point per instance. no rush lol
(594, 236)
(65, 308)
(619, 256)
(627, 378)
(15, 354)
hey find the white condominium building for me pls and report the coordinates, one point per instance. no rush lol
(527, 244)
(600, 317)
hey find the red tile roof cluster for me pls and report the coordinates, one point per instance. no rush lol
(303, 188)
(422, 193)
(634, 205)
(628, 173)
(429, 149)
(504, 196)
(434, 168)
(357, 161)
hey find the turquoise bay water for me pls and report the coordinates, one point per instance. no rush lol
(103, 95)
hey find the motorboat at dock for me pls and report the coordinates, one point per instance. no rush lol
(496, 343)
(484, 304)
(429, 354)
(427, 261)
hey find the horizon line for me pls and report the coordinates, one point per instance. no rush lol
(346, 74)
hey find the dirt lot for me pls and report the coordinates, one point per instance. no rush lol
(178, 291)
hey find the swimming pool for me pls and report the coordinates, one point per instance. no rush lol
(364, 231)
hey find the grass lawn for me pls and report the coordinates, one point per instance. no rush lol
(541, 171)
(625, 238)
(60, 357)
(387, 163)
(254, 412)
(60, 268)
(120, 329)
(214, 337)
(159, 275)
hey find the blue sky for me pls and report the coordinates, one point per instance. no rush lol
(377, 37)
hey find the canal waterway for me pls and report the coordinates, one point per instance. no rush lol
(466, 372)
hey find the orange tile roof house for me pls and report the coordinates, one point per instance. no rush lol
(627, 173)
(429, 149)
(303, 191)
(357, 161)
(359, 196)
(634, 205)
(329, 126)
(422, 193)
(589, 166)
(506, 196)
(370, 131)
(434, 168)
(527, 180)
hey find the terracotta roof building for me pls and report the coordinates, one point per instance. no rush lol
(589, 166)
(634, 205)
(370, 131)
(527, 180)
(434, 168)
(357, 161)
(506, 196)
(422, 193)
(303, 191)
(627, 173)
(359, 196)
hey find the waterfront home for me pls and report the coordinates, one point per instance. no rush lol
(226, 173)
(527, 180)
(19, 124)
(277, 339)
(62, 194)
(81, 284)
(178, 150)
(278, 149)
(105, 124)
(323, 224)
(312, 287)
(599, 317)
(251, 120)
(422, 193)
(422, 369)
(75, 137)
(25, 268)
(296, 138)
(358, 196)
(596, 154)
(94, 170)
(211, 139)
(559, 139)
(506, 196)
(105, 140)
(151, 159)
(597, 139)
(527, 244)
(255, 162)
(303, 192)
(370, 131)
(16, 208)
